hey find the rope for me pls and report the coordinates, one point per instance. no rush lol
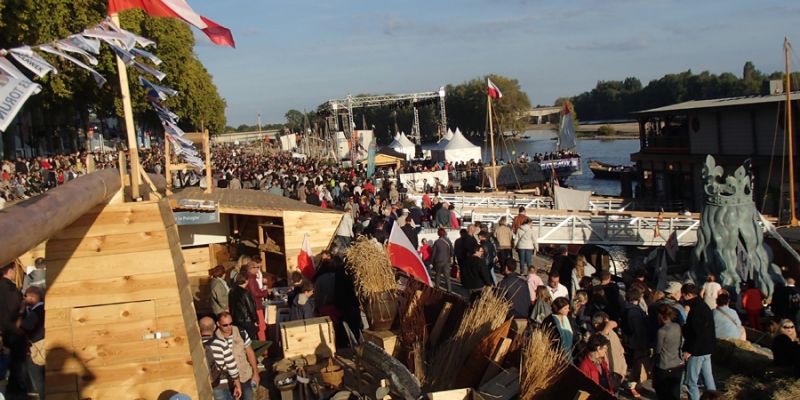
(772, 158)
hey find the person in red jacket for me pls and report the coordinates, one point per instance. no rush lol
(753, 302)
(259, 295)
(595, 362)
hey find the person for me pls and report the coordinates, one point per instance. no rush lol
(425, 252)
(564, 266)
(32, 327)
(463, 246)
(594, 363)
(441, 254)
(699, 341)
(303, 304)
(556, 288)
(474, 275)
(442, 216)
(515, 289)
(634, 329)
(525, 241)
(489, 253)
(243, 307)
(563, 328)
(10, 308)
(616, 356)
(614, 300)
(221, 363)
(668, 370)
(785, 346)
(520, 219)
(259, 294)
(727, 324)
(753, 304)
(710, 291)
(672, 294)
(242, 349)
(36, 276)
(219, 290)
(454, 224)
(786, 301)
(504, 237)
(583, 318)
(344, 233)
(534, 281)
(583, 269)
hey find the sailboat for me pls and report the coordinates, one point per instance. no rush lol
(567, 161)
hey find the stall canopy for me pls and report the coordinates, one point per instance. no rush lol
(444, 140)
(404, 145)
(457, 149)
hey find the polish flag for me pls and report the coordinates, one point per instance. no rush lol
(405, 257)
(305, 260)
(492, 89)
(179, 9)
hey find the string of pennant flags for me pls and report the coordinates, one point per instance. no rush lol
(81, 49)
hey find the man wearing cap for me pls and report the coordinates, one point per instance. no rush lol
(671, 295)
(441, 254)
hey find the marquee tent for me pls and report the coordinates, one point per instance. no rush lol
(457, 149)
(404, 145)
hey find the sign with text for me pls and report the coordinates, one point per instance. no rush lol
(196, 217)
(15, 89)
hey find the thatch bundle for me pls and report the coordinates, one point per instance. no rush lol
(542, 364)
(480, 319)
(371, 268)
(740, 387)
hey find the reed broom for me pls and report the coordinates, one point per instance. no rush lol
(480, 319)
(542, 364)
(371, 268)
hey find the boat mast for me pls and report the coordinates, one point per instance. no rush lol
(491, 140)
(787, 48)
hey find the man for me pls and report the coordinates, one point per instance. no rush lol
(672, 294)
(515, 289)
(555, 287)
(786, 301)
(519, 219)
(10, 306)
(637, 343)
(242, 349)
(474, 275)
(441, 256)
(221, 362)
(699, 340)
(613, 297)
(32, 327)
(563, 265)
(503, 236)
(442, 217)
(463, 246)
(344, 233)
(37, 276)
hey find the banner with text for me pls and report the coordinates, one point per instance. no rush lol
(15, 89)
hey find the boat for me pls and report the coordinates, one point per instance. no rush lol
(602, 170)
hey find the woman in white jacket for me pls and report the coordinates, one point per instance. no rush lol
(526, 244)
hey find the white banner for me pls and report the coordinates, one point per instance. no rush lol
(416, 180)
(100, 79)
(32, 61)
(15, 89)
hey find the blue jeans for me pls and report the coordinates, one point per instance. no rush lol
(525, 259)
(695, 367)
(222, 392)
(247, 390)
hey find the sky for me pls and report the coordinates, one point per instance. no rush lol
(297, 54)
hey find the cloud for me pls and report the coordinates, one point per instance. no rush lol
(626, 45)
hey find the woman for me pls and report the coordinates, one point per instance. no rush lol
(525, 241)
(785, 346)
(563, 326)
(669, 366)
(582, 270)
(710, 291)
(219, 290)
(541, 306)
(579, 302)
(425, 252)
(453, 217)
(254, 286)
(753, 302)
(595, 362)
(727, 324)
(243, 307)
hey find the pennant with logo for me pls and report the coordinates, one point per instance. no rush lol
(32, 61)
(15, 88)
(100, 79)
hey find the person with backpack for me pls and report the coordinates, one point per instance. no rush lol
(221, 363)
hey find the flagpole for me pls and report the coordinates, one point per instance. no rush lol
(127, 109)
(491, 141)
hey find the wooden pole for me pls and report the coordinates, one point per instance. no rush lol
(787, 47)
(167, 164)
(207, 150)
(491, 140)
(133, 146)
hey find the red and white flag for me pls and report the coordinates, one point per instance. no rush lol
(305, 260)
(492, 89)
(405, 257)
(179, 9)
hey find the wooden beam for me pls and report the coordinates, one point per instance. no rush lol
(497, 359)
(167, 166)
(439, 324)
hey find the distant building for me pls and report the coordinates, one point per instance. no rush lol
(675, 140)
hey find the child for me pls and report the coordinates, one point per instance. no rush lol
(303, 304)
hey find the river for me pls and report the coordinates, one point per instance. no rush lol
(612, 151)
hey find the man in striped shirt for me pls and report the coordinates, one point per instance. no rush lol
(223, 361)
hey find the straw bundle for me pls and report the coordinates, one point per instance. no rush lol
(413, 330)
(483, 317)
(371, 268)
(541, 364)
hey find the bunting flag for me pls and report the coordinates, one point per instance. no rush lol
(492, 90)
(92, 45)
(109, 36)
(100, 79)
(66, 45)
(178, 9)
(130, 38)
(146, 54)
(124, 55)
(156, 91)
(405, 257)
(32, 61)
(15, 88)
(305, 260)
(149, 70)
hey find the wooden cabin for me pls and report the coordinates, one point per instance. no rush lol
(265, 224)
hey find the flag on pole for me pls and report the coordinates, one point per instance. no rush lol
(405, 257)
(492, 89)
(178, 9)
(305, 260)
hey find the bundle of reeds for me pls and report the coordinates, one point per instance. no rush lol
(480, 319)
(542, 364)
(413, 330)
(371, 268)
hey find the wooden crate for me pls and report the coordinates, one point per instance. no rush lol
(386, 340)
(308, 336)
(455, 394)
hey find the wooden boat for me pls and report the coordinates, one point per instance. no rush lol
(603, 170)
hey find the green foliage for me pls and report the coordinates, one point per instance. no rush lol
(606, 130)
(295, 120)
(466, 105)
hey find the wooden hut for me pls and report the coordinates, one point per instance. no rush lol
(270, 225)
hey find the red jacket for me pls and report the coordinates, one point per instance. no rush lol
(592, 372)
(258, 294)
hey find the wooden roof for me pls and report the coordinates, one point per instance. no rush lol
(247, 202)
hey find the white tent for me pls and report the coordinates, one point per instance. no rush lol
(457, 149)
(448, 136)
(404, 145)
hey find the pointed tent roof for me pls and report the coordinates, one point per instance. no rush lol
(405, 141)
(458, 142)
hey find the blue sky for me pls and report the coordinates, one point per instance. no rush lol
(300, 53)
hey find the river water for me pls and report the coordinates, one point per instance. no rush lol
(612, 151)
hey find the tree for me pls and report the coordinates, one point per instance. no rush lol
(466, 104)
(295, 120)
